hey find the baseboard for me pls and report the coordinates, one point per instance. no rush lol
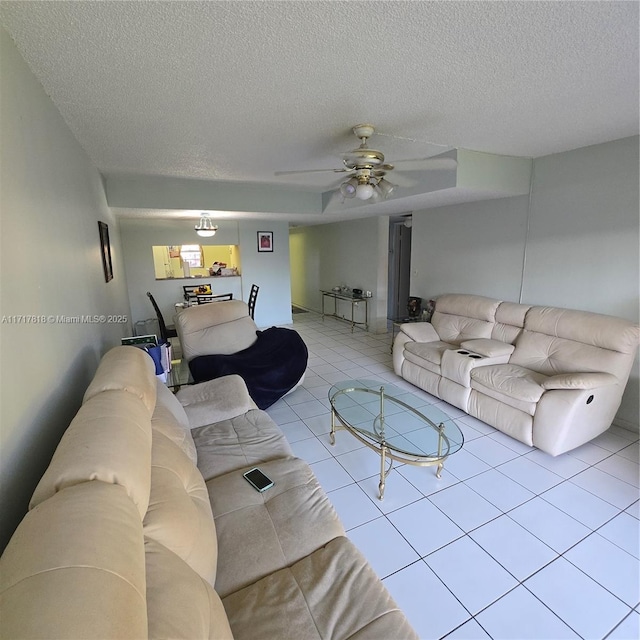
(634, 427)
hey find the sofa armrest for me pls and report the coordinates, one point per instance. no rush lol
(420, 331)
(590, 380)
(215, 400)
(566, 418)
(488, 348)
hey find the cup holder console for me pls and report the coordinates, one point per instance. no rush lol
(475, 356)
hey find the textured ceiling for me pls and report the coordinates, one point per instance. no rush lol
(234, 91)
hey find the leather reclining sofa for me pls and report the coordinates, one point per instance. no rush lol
(551, 378)
(144, 527)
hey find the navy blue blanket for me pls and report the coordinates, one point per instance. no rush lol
(270, 367)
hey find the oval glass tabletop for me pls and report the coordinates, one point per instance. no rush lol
(395, 418)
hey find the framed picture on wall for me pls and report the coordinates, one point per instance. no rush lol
(105, 250)
(265, 241)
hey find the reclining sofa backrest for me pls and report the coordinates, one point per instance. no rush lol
(218, 328)
(120, 516)
(79, 551)
(460, 317)
(509, 323)
(558, 340)
(548, 340)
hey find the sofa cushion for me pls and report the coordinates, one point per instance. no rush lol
(169, 401)
(109, 439)
(172, 422)
(179, 514)
(468, 306)
(332, 593)
(509, 321)
(75, 568)
(164, 422)
(553, 355)
(215, 400)
(488, 348)
(516, 386)
(181, 604)
(247, 439)
(459, 317)
(455, 329)
(259, 533)
(568, 341)
(420, 331)
(222, 327)
(418, 352)
(126, 369)
(579, 381)
(598, 330)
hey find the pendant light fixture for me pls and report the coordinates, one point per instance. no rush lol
(205, 227)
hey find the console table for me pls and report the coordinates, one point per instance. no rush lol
(349, 297)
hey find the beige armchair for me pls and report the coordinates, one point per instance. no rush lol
(222, 339)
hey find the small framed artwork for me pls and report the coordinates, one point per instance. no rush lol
(265, 241)
(105, 250)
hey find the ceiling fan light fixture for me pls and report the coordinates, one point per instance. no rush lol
(386, 188)
(364, 191)
(205, 228)
(348, 188)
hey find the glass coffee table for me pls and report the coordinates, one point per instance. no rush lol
(384, 417)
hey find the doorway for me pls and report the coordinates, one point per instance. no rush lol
(399, 266)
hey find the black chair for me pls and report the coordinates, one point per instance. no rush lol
(206, 298)
(252, 299)
(166, 332)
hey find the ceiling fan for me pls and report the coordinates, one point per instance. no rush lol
(368, 168)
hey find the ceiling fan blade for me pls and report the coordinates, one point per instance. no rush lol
(401, 180)
(289, 173)
(426, 164)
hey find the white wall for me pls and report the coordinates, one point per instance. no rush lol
(475, 247)
(584, 245)
(581, 247)
(347, 253)
(583, 235)
(50, 265)
(270, 271)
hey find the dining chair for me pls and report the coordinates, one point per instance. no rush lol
(166, 332)
(205, 298)
(252, 299)
(192, 290)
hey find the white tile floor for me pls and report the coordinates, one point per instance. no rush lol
(510, 542)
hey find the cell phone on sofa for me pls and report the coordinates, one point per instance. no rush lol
(258, 480)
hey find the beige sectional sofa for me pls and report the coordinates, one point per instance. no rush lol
(143, 526)
(552, 378)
